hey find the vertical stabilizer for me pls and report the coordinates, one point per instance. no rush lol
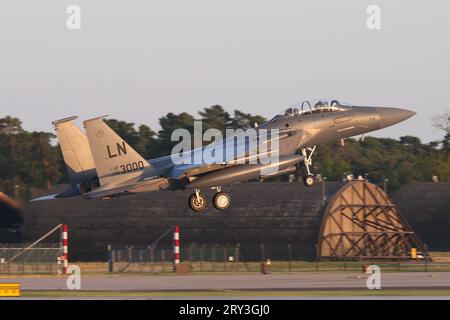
(115, 160)
(75, 150)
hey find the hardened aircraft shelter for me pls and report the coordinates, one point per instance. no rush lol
(332, 220)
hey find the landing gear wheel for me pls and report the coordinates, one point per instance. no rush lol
(308, 180)
(221, 200)
(197, 202)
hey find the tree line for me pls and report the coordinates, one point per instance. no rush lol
(29, 159)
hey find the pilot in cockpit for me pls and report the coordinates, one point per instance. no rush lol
(320, 104)
(291, 112)
(288, 112)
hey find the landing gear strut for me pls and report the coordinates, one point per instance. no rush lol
(197, 201)
(307, 154)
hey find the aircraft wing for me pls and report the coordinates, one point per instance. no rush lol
(234, 153)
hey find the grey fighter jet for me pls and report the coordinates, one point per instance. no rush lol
(101, 165)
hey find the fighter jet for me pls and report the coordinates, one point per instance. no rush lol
(101, 165)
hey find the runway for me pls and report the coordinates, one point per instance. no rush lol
(243, 282)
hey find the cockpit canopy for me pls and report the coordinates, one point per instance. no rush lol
(314, 106)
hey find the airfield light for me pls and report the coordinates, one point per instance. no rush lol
(385, 185)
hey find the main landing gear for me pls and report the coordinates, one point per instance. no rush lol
(221, 200)
(197, 201)
(307, 154)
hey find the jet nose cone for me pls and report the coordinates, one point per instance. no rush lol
(391, 116)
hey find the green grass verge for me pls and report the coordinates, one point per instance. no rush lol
(232, 293)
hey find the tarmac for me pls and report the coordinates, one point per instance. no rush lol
(323, 281)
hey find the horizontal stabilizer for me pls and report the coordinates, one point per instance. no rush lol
(45, 198)
(72, 192)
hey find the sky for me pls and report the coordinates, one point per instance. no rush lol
(137, 60)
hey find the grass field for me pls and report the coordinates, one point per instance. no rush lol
(441, 262)
(234, 293)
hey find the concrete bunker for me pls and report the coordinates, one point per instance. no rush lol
(332, 220)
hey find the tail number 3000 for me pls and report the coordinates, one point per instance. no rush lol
(130, 167)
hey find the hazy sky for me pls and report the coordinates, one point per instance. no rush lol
(138, 60)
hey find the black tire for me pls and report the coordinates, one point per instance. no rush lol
(308, 180)
(221, 200)
(197, 204)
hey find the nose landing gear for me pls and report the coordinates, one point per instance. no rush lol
(307, 154)
(308, 180)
